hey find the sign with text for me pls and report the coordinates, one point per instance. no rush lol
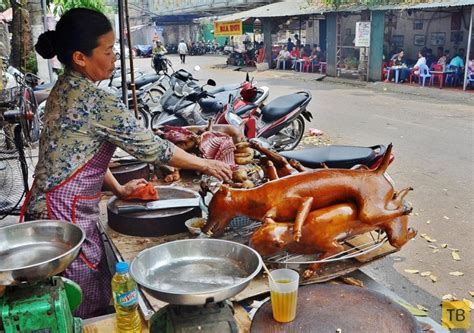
(228, 28)
(362, 37)
(455, 314)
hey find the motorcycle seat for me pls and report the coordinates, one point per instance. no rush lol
(227, 87)
(145, 79)
(281, 106)
(342, 157)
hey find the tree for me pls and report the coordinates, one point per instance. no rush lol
(62, 6)
(22, 44)
(27, 12)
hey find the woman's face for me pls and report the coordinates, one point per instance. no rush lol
(101, 63)
(401, 54)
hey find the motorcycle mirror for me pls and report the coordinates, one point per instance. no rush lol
(197, 68)
(230, 98)
(211, 82)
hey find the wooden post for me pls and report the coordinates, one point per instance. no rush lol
(130, 57)
(123, 65)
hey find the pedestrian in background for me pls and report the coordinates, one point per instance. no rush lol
(182, 50)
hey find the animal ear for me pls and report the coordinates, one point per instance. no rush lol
(224, 189)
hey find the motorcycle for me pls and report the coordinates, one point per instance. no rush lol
(207, 105)
(279, 125)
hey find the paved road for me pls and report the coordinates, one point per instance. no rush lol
(433, 142)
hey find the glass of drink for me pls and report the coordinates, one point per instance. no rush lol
(284, 292)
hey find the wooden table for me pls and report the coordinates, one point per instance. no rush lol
(127, 247)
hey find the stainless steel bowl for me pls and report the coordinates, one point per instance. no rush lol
(196, 271)
(36, 250)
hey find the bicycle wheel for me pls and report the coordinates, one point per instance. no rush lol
(12, 187)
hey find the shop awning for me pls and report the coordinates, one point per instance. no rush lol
(296, 8)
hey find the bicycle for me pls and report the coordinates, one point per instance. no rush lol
(17, 120)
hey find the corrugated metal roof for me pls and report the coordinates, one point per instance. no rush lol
(301, 7)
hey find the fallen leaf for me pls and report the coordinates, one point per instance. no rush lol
(397, 259)
(421, 307)
(432, 246)
(444, 245)
(436, 250)
(413, 310)
(433, 278)
(471, 293)
(412, 271)
(353, 281)
(455, 256)
(445, 217)
(447, 297)
(456, 273)
(469, 303)
(428, 238)
(416, 214)
(428, 222)
(453, 249)
(428, 273)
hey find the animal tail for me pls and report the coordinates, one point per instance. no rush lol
(386, 160)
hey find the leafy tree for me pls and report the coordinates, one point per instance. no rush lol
(62, 6)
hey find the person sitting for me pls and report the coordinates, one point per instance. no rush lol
(159, 48)
(457, 61)
(430, 58)
(443, 60)
(421, 60)
(294, 56)
(283, 56)
(399, 62)
(306, 51)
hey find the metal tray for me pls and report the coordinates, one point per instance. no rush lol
(196, 271)
(36, 250)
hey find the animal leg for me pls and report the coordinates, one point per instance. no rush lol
(269, 216)
(297, 165)
(303, 212)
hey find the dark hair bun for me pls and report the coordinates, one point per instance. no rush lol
(46, 45)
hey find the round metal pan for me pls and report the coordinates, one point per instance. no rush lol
(36, 250)
(153, 223)
(329, 307)
(196, 271)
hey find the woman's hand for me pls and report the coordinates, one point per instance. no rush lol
(127, 189)
(217, 169)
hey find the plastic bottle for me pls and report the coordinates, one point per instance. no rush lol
(125, 294)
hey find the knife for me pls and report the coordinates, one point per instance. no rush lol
(159, 204)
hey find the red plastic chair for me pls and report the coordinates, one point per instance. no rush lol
(437, 76)
(306, 64)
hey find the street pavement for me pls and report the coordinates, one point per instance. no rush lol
(432, 134)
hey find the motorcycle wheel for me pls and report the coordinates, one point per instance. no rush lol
(294, 131)
(152, 97)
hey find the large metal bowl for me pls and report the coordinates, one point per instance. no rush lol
(36, 250)
(196, 271)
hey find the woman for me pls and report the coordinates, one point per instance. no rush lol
(421, 61)
(83, 125)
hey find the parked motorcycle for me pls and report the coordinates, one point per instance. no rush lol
(279, 125)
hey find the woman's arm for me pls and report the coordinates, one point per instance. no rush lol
(182, 159)
(122, 191)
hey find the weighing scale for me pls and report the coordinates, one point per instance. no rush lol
(33, 299)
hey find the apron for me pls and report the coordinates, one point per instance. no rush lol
(76, 200)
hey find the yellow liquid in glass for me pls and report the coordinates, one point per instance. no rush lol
(284, 304)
